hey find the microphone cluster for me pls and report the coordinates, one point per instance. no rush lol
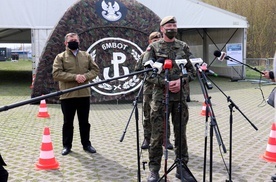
(197, 63)
(162, 63)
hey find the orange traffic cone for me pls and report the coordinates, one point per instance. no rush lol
(270, 154)
(47, 159)
(43, 111)
(203, 110)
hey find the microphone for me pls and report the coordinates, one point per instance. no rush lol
(181, 64)
(196, 62)
(167, 64)
(220, 55)
(157, 66)
(149, 63)
(203, 67)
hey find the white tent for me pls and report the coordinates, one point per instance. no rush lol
(195, 14)
(205, 28)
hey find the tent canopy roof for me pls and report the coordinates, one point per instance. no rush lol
(19, 16)
(196, 14)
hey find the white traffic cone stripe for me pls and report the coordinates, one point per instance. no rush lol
(272, 134)
(46, 139)
(47, 154)
(43, 109)
(271, 148)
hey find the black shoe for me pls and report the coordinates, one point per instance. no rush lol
(273, 177)
(90, 149)
(188, 99)
(145, 144)
(169, 145)
(153, 176)
(65, 151)
(186, 176)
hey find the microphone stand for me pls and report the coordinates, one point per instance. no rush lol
(167, 100)
(137, 127)
(231, 106)
(36, 99)
(179, 162)
(253, 68)
(213, 124)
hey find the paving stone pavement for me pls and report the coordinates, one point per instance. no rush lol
(21, 134)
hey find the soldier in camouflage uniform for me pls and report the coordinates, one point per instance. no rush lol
(169, 48)
(147, 96)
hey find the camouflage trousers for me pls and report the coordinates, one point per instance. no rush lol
(147, 98)
(186, 88)
(157, 132)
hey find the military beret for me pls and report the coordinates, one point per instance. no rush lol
(154, 35)
(167, 19)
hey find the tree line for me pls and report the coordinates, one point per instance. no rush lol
(260, 14)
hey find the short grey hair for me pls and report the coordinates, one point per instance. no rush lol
(70, 35)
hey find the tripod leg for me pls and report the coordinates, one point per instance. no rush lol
(181, 151)
(186, 173)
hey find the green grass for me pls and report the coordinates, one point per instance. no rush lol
(254, 74)
(21, 65)
(16, 77)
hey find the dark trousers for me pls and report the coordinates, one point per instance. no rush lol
(69, 107)
(3, 174)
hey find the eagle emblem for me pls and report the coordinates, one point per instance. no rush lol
(111, 12)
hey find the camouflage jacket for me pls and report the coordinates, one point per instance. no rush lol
(169, 50)
(147, 85)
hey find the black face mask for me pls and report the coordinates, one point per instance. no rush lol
(73, 45)
(171, 33)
